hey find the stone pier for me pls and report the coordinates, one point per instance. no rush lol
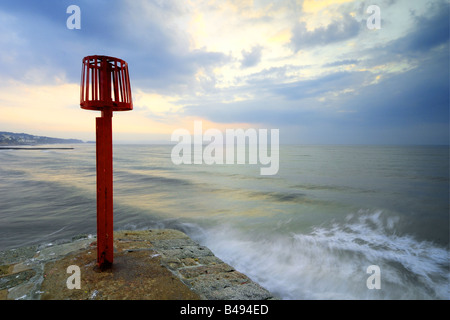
(159, 264)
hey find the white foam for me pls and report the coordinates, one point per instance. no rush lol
(331, 262)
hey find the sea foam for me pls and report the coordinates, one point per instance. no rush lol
(331, 262)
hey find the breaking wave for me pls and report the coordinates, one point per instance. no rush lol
(331, 262)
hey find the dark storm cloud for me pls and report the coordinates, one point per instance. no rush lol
(428, 32)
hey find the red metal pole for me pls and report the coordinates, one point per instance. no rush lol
(98, 75)
(104, 190)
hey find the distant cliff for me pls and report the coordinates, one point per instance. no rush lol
(21, 139)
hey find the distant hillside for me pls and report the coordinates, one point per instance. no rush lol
(21, 139)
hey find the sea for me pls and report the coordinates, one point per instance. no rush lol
(336, 221)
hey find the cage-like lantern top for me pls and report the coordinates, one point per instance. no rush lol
(105, 83)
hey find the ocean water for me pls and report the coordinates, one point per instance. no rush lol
(309, 232)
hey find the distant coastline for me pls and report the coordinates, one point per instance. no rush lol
(34, 148)
(10, 139)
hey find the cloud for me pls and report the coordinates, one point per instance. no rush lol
(251, 58)
(336, 31)
(145, 34)
(416, 96)
(333, 82)
(429, 32)
(358, 106)
(45, 43)
(166, 72)
(341, 63)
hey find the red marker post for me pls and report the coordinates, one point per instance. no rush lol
(105, 87)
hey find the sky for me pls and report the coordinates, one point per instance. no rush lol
(312, 69)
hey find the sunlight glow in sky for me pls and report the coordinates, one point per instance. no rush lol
(311, 68)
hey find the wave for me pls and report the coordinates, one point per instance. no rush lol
(331, 262)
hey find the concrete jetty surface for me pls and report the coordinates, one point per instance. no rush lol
(159, 264)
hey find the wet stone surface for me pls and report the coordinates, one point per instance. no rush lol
(150, 264)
